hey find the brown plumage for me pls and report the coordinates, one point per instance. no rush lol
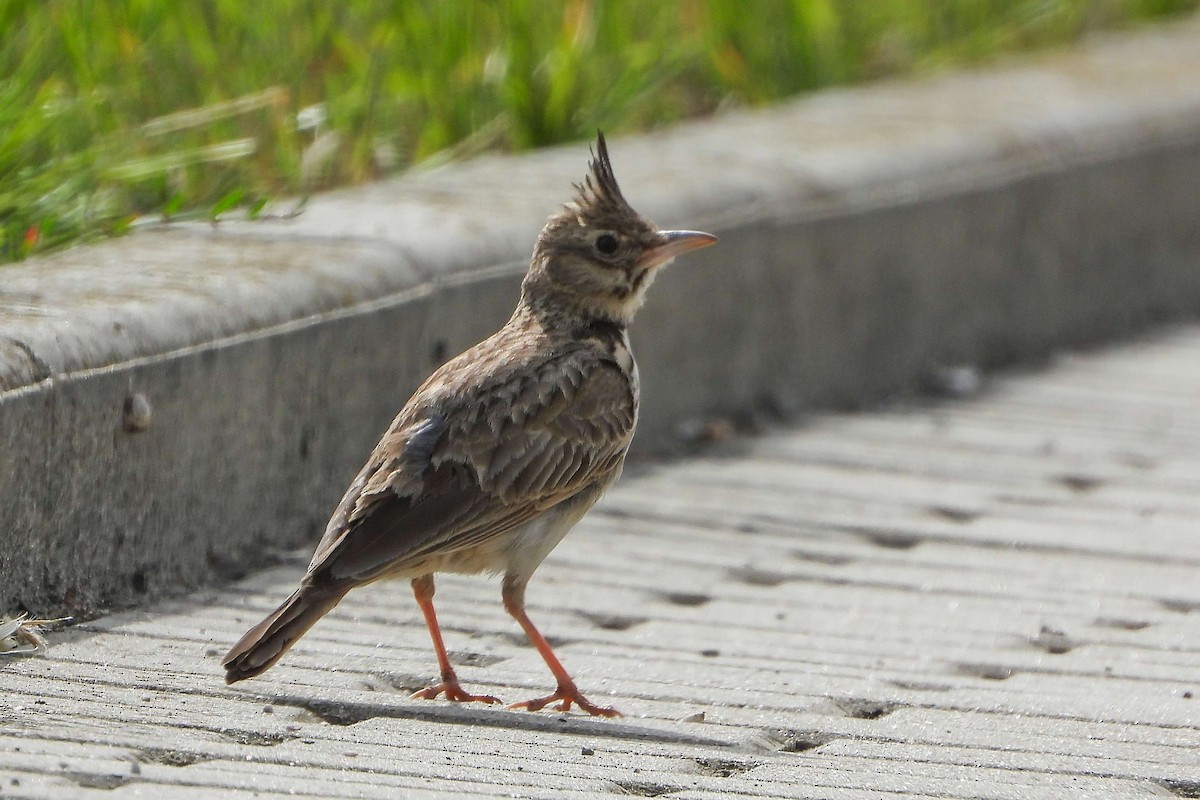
(504, 447)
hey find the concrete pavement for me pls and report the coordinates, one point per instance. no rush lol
(996, 597)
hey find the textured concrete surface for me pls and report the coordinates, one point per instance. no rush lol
(867, 236)
(996, 598)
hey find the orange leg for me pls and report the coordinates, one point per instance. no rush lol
(449, 685)
(567, 693)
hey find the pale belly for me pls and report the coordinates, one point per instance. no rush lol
(518, 552)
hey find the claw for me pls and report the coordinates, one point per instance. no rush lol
(565, 696)
(453, 692)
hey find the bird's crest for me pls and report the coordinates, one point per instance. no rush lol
(599, 193)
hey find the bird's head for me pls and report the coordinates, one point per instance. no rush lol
(597, 256)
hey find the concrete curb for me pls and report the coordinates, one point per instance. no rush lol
(867, 235)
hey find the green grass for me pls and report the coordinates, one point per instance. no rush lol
(113, 111)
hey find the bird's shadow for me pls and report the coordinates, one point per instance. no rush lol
(351, 712)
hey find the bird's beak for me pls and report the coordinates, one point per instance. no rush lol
(674, 243)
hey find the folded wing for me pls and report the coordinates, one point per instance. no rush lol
(450, 478)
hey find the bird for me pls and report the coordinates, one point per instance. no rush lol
(504, 448)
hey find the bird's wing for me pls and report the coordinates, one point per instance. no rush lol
(456, 477)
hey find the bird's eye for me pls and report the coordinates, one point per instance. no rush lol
(606, 244)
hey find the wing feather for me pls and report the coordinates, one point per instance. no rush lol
(452, 476)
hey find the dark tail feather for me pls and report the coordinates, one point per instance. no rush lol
(266, 642)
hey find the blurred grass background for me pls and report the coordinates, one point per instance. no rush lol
(111, 112)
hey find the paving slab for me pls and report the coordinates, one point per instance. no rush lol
(990, 598)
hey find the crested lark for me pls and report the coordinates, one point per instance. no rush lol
(504, 448)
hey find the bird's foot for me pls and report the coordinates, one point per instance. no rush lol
(453, 692)
(565, 696)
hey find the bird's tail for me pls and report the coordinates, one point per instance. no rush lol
(266, 642)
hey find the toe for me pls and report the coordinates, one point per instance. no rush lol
(565, 697)
(453, 692)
